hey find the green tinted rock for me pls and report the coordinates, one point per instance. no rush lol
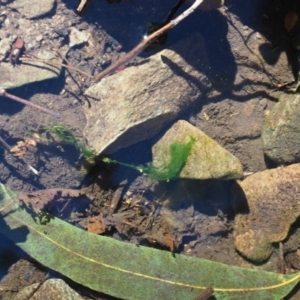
(206, 160)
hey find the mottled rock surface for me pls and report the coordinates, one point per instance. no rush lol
(32, 71)
(281, 131)
(207, 159)
(266, 203)
(34, 8)
(136, 103)
(52, 289)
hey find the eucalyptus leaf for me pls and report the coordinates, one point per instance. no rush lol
(126, 270)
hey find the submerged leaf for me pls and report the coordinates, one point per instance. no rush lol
(129, 271)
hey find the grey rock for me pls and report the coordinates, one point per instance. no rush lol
(52, 289)
(77, 37)
(266, 204)
(136, 103)
(281, 130)
(27, 72)
(34, 8)
(5, 46)
(207, 159)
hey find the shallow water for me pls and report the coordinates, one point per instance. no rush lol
(231, 111)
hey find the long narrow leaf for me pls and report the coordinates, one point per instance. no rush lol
(128, 271)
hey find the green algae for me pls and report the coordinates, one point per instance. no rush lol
(67, 136)
(179, 153)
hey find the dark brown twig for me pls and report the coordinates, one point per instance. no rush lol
(134, 52)
(117, 196)
(36, 106)
(142, 45)
(281, 258)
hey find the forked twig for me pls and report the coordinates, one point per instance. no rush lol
(142, 45)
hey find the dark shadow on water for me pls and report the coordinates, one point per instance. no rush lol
(9, 253)
(8, 246)
(240, 202)
(209, 197)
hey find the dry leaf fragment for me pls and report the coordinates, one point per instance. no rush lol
(22, 146)
(30, 142)
(96, 225)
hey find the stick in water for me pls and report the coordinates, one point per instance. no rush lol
(143, 44)
(36, 106)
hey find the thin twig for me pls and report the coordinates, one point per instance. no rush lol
(281, 258)
(81, 5)
(117, 196)
(36, 106)
(143, 44)
(8, 148)
(54, 64)
(172, 12)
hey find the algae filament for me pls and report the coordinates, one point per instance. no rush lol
(179, 154)
(67, 136)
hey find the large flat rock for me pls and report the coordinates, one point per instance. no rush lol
(12, 76)
(136, 103)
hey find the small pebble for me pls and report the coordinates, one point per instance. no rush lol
(39, 37)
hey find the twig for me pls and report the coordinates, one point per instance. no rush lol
(281, 258)
(117, 196)
(81, 5)
(54, 64)
(142, 45)
(7, 147)
(172, 12)
(36, 106)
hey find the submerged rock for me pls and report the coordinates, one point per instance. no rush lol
(281, 131)
(34, 8)
(50, 289)
(266, 203)
(206, 160)
(12, 76)
(136, 103)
